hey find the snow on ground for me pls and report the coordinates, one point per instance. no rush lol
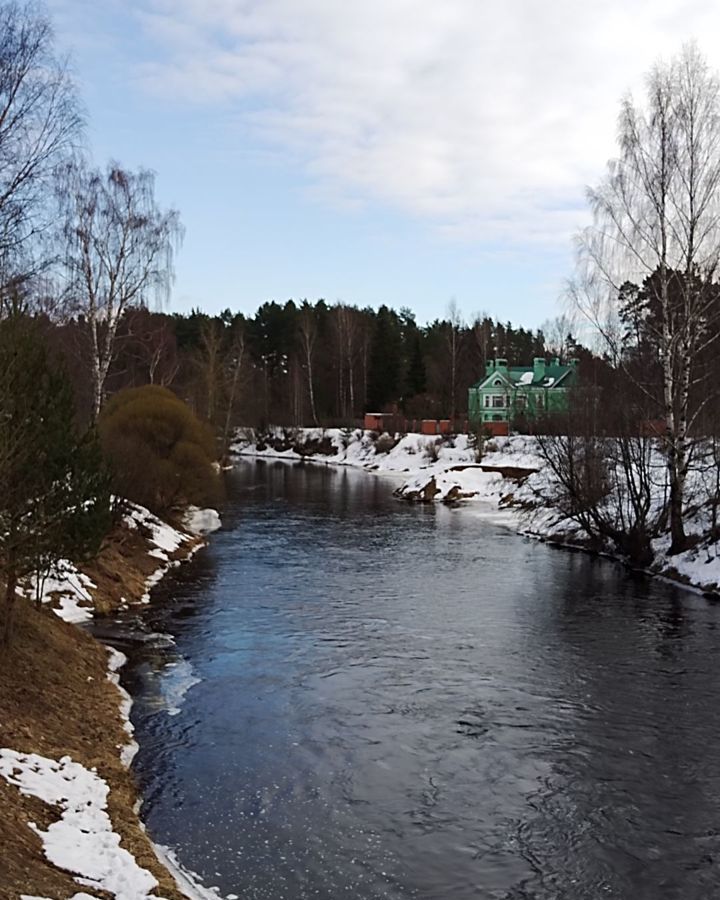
(446, 469)
(70, 591)
(81, 896)
(700, 565)
(82, 841)
(71, 588)
(115, 662)
(164, 537)
(383, 453)
(450, 460)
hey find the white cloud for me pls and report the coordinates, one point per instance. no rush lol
(485, 119)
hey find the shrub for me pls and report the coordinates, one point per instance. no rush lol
(160, 453)
(385, 442)
(432, 450)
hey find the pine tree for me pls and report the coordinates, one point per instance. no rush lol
(54, 492)
(416, 377)
(385, 357)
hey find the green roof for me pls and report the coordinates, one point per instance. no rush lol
(553, 374)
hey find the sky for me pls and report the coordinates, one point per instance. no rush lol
(408, 152)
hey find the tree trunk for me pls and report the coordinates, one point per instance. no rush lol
(10, 597)
(311, 390)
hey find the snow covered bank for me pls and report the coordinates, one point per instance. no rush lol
(410, 453)
(98, 837)
(165, 541)
(82, 841)
(74, 595)
(511, 477)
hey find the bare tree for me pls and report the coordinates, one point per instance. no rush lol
(40, 123)
(234, 376)
(558, 333)
(657, 213)
(307, 330)
(153, 345)
(454, 346)
(347, 347)
(604, 474)
(120, 248)
(209, 361)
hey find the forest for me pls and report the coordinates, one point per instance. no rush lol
(299, 363)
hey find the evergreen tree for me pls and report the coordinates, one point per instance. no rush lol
(54, 491)
(385, 359)
(416, 376)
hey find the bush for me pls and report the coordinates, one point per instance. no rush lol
(160, 453)
(385, 443)
(432, 450)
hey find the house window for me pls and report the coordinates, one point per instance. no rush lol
(520, 401)
(540, 401)
(498, 401)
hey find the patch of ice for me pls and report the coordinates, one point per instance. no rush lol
(166, 687)
(201, 521)
(188, 882)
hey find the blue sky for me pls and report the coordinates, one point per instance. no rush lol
(406, 152)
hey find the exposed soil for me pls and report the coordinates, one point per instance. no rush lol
(56, 700)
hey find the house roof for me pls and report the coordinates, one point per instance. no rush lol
(524, 376)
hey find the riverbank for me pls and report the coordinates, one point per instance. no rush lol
(509, 477)
(70, 827)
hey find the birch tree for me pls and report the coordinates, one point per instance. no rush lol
(454, 341)
(235, 364)
(307, 334)
(657, 213)
(40, 124)
(120, 251)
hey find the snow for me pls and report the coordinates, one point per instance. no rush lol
(70, 591)
(164, 538)
(445, 469)
(201, 521)
(527, 377)
(67, 586)
(80, 896)
(82, 841)
(115, 662)
(188, 882)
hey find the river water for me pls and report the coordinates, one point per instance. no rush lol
(367, 699)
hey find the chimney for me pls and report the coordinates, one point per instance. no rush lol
(538, 368)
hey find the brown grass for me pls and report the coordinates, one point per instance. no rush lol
(55, 700)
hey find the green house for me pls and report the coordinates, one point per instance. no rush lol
(507, 392)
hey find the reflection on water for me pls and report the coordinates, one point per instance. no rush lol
(378, 700)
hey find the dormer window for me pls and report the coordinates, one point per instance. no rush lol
(497, 383)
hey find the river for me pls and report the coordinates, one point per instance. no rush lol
(367, 699)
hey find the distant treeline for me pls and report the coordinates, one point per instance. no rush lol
(304, 364)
